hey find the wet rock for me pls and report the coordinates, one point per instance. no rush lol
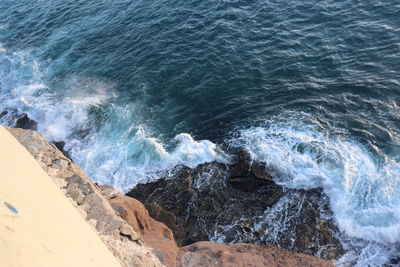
(25, 122)
(247, 174)
(3, 114)
(299, 221)
(247, 184)
(240, 203)
(394, 261)
(196, 201)
(160, 238)
(60, 145)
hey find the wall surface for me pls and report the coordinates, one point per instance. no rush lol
(38, 224)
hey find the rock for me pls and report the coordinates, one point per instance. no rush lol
(3, 114)
(13, 116)
(199, 201)
(247, 174)
(247, 184)
(60, 146)
(108, 191)
(25, 122)
(232, 203)
(394, 261)
(242, 166)
(294, 223)
(195, 202)
(160, 238)
(240, 255)
(155, 234)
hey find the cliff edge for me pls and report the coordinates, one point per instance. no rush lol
(136, 239)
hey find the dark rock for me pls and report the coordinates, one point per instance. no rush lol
(83, 133)
(247, 174)
(3, 113)
(201, 199)
(242, 166)
(395, 261)
(300, 222)
(240, 203)
(247, 184)
(25, 122)
(60, 145)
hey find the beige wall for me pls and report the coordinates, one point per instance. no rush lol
(48, 230)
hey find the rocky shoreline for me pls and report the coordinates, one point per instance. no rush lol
(230, 203)
(192, 206)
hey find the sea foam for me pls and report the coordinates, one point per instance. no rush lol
(113, 149)
(363, 187)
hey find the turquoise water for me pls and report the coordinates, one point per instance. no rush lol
(136, 87)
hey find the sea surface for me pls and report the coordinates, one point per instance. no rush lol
(136, 87)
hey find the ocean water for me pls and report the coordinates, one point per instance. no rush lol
(134, 88)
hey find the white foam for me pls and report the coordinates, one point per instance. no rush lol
(118, 151)
(364, 190)
(191, 152)
(364, 194)
(125, 162)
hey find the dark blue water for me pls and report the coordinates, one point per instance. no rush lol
(133, 87)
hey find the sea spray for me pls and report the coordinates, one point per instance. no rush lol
(361, 187)
(102, 133)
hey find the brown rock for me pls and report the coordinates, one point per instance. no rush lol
(237, 255)
(160, 238)
(155, 234)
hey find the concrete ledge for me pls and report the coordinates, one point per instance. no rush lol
(45, 229)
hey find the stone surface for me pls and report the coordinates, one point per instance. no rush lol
(122, 240)
(232, 203)
(155, 234)
(202, 199)
(61, 145)
(25, 122)
(298, 221)
(160, 238)
(240, 255)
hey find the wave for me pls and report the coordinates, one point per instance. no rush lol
(101, 132)
(108, 139)
(363, 187)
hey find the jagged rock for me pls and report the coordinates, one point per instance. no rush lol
(25, 122)
(61, 145)
(228, 202)
(247, 174)
(17, 118)
(160, 238)
(124, 237)
(196, 201)
(241, 255)
(294, 223)
(108, 192)
(155, 234)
